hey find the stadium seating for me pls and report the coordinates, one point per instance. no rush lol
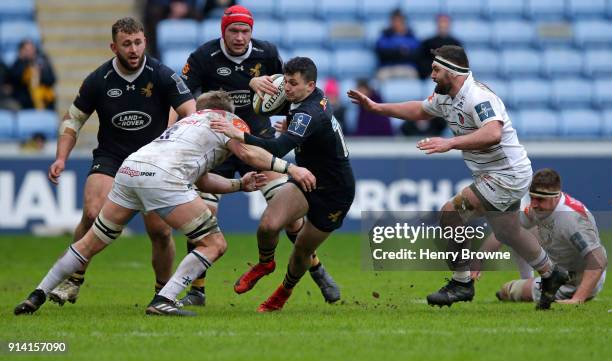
(500, 88)
(177, 34)
(496, 9)
(175, 59)
(585, 8)
(339, 9)
(545, 9)
(484, 62)
(593, 33)
(301, 33)
(572, 92)
(423, 29)
(473, 33)
(321, 57)
(345, 34)
(260, 8)
(537, 123)
(7, 125)
(516, 62)
(30, 122)
(12, 32)
(529, 93)
(401, 90)
(515, 33)
(464, 8)
(17, 10)
(422, 8)
(607, 123)
(372, 9)
(580, 123)
(269, 30)
(299, 10)
(211, 29)
(355, 63)
(558, 62)
(601, 93)
(598, 63)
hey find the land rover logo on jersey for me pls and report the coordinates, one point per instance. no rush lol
(241, 98)
(131, 120)
(225, 71)
(114, 93)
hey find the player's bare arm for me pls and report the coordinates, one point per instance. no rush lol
(596, 262)
(214, 183)
(483, 138)
(411, 110)
(71, 124)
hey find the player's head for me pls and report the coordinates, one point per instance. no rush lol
(216, 99)
(450, 63)
(236, 29)
(300, 78)
(545, 191)
(129, 43)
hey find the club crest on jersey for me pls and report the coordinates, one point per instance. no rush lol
(256, 70)
(224, 71)
(484, 110)
(131, 120)
(148, 90)
(114, 93)
(299, 123)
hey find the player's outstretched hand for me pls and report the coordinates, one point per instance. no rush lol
(362, 100)
(224, 126)
(253, 181)
(281, 126)
(263, 84)
(55, 170)
(434, 145)
(305, 179)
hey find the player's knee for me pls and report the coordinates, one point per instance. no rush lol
(295, 226)
(161, 236)
(269, 225)
(106, 230)
(515, 291)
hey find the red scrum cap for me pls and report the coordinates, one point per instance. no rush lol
(236, 14)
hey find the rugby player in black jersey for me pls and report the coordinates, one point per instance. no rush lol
(132, 94)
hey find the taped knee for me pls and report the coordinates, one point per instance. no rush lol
(106, 230)
(210, 199)
(513, 291)
(270, 189)
(201, 226)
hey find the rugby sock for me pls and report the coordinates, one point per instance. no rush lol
(70, 262)
(266, 255)
(314, 266)
(199, 282)
(190, 267)
(542, 264)
(159, 285)
(462, 276)
(290, 280)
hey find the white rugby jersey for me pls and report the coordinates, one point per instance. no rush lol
(189, 148)
(474, 106)
(567, 234)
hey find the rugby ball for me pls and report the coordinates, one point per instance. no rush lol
(271, 104)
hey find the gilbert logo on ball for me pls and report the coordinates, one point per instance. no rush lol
(271, 104)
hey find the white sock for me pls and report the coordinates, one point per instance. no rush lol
(542, 264)
(462, 276)
(188, 270)
(69, 263)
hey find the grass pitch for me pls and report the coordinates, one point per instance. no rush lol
(383, 315)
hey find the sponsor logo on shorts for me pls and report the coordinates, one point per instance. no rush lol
(224, 71)
(135, 173)
(114, 93)
(131, 120)
(241, 98)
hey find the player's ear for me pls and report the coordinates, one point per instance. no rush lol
(113, 47)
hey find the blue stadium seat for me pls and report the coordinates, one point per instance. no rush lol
(373, 29)
(175, 34)
(498, 86)
(572, 92)
(17, 10)
(593, 33)
(9, 56)
(354, 63)
(545, 9)
(7, 125)
(211, 29)
(373, 9)
(12, 32)
(607, 123)
(302, 33)
(322, 58)
(562, 62)
(464, 8)
(472, 32)
(598, 63)
(585, 8)
(291, 9)
(513, 33)
(401, 90)
(534, 93)
(537, 123)
(520, 62)
(346, 84)
(496, 9)
(484, 62)
(423, 29)
(30, 122)
(176, 59)
(420, 8)
(581, 123)
(601, 92)
(427, 86)
(285, 54)
(259, 8)
(339, 9)
(345, 34)
(269, 30)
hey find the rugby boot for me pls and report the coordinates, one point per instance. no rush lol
(327, 285)
(250, 277)
(161, 306)
(193, 298)
(276, 301)
(68, 290)
(32, 303)
(550, 285)
(453, 291)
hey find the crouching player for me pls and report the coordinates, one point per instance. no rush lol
(159, 177)
(567, 231)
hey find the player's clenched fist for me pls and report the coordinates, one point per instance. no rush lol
(55, 170)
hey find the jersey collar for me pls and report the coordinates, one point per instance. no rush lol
(467, 84)
(236, 59)
(129, 77)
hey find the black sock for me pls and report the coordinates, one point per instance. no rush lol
(315, 267)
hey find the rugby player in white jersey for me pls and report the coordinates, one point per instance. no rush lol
(499, 164)
(159, 178)
(567, 231)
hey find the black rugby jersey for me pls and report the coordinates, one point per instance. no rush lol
(131, 113)
(210, 68)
